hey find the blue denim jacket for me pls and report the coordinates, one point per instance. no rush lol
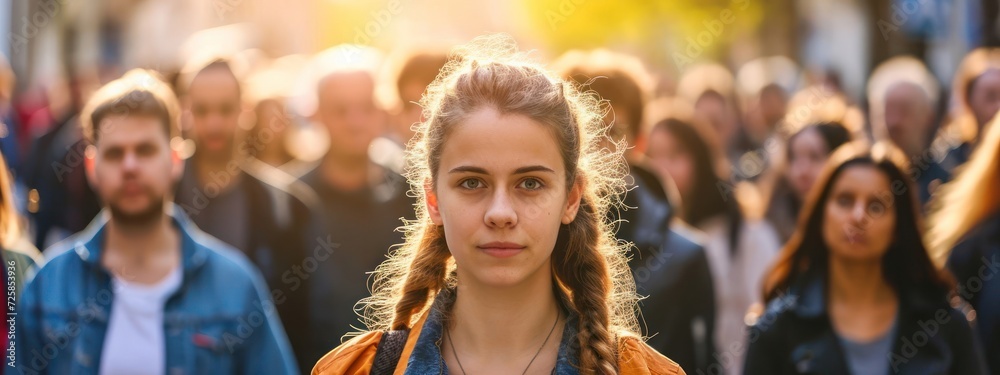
(426, 357)
(219, 321)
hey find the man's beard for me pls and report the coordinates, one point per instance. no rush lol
(147, 216)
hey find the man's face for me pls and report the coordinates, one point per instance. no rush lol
(213, 102)
(347, 109)
(133, 169)
(908, 117)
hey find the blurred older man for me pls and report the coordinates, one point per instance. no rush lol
(362, 201)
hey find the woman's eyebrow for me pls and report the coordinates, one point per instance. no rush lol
(522, 170)
(468, 169)
(533, 168)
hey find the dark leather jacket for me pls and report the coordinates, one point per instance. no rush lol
(671, 268)
(795, 336)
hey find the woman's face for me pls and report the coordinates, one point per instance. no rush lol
(671, 159)
(808, 153)
(859, 221)
(985, 97)
(501, 196)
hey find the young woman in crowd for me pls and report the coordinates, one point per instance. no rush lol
(854, 291)
(510, 266)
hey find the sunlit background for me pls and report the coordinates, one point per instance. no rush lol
(845, 36)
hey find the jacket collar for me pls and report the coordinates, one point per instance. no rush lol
(90, 242)
(426, 358)
(810, 297)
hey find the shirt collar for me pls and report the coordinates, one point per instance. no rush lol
(426, 356)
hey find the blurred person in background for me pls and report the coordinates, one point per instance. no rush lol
(275, 137)
(237, 200)
(710, 90)
(765, 86)
(11, 146)
(669, 265)
(362, 202)
(143, 290)
(855, 291)
(20, 258)
(976, 96)
(806, 152)
(903, 101)
(965, 231)
(60, 201)
(406, 76)
(416, 71)
(739, 248)
(820, 103)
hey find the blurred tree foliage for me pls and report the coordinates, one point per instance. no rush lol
(665, 31)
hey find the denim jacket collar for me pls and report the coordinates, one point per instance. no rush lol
(426, 356)
(90, 242)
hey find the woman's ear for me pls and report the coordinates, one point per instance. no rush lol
(432, 203)
(573, 202)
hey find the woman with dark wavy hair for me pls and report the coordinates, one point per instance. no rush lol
(854, 290)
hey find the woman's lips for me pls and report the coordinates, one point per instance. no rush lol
(501, 249)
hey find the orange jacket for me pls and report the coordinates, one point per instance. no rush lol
(355, 356)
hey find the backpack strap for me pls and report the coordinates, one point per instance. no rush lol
(389, 349)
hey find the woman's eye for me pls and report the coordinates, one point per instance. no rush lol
(876, 208)
(471, 184)
(531, 184)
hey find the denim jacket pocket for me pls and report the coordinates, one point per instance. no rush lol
(216, 343)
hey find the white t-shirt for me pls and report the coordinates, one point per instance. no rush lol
(134, 343)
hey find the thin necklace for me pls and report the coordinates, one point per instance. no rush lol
(553, 329)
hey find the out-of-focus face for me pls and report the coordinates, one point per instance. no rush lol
(773, 104)
(808, 153)
(214, 105)
(348, 110)
(909, 116)
(859, 218)
(501, 195)
(711, 110)
(670, 158)
(985, 97)
(271, 130)
(133, 168)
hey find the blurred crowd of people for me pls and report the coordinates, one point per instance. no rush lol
(778, 226)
